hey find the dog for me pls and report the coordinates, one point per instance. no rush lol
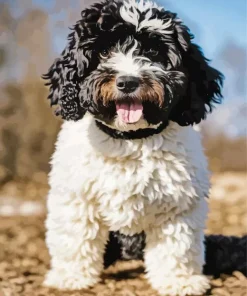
(130, 85)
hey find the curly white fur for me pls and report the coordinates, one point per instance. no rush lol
(157, 184)
(130, 14)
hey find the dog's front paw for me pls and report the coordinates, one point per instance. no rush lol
(182, 286)
(64, 280)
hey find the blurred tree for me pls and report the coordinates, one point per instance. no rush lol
(6, 19)
(2, 56)
(33, 39)
(27, 126)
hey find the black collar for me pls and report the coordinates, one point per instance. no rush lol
(131, 135)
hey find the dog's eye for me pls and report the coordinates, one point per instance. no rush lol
(104, 53)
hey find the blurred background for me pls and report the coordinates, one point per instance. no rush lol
(32, 34)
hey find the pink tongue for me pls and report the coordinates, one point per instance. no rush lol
(129, 113)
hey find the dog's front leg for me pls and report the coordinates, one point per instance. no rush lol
(76, 241)
(174, 256)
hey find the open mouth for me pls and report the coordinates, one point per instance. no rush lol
(129, 110)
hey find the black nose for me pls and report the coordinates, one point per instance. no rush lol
(127, 84)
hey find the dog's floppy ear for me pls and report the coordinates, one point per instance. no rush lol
(69, 70)
(204, 82)
(63, 82)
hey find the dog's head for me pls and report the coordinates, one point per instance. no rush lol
(132, 65)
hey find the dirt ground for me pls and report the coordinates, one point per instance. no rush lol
(24, 258)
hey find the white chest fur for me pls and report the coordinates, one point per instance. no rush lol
(133, 183)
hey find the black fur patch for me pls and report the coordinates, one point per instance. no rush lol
(130, 135)
(224, 254)
(124, 247)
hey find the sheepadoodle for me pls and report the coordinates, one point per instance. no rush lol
(130, 84)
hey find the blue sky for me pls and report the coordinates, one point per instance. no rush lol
(214, 21)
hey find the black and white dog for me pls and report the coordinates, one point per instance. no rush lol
(130, 84)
